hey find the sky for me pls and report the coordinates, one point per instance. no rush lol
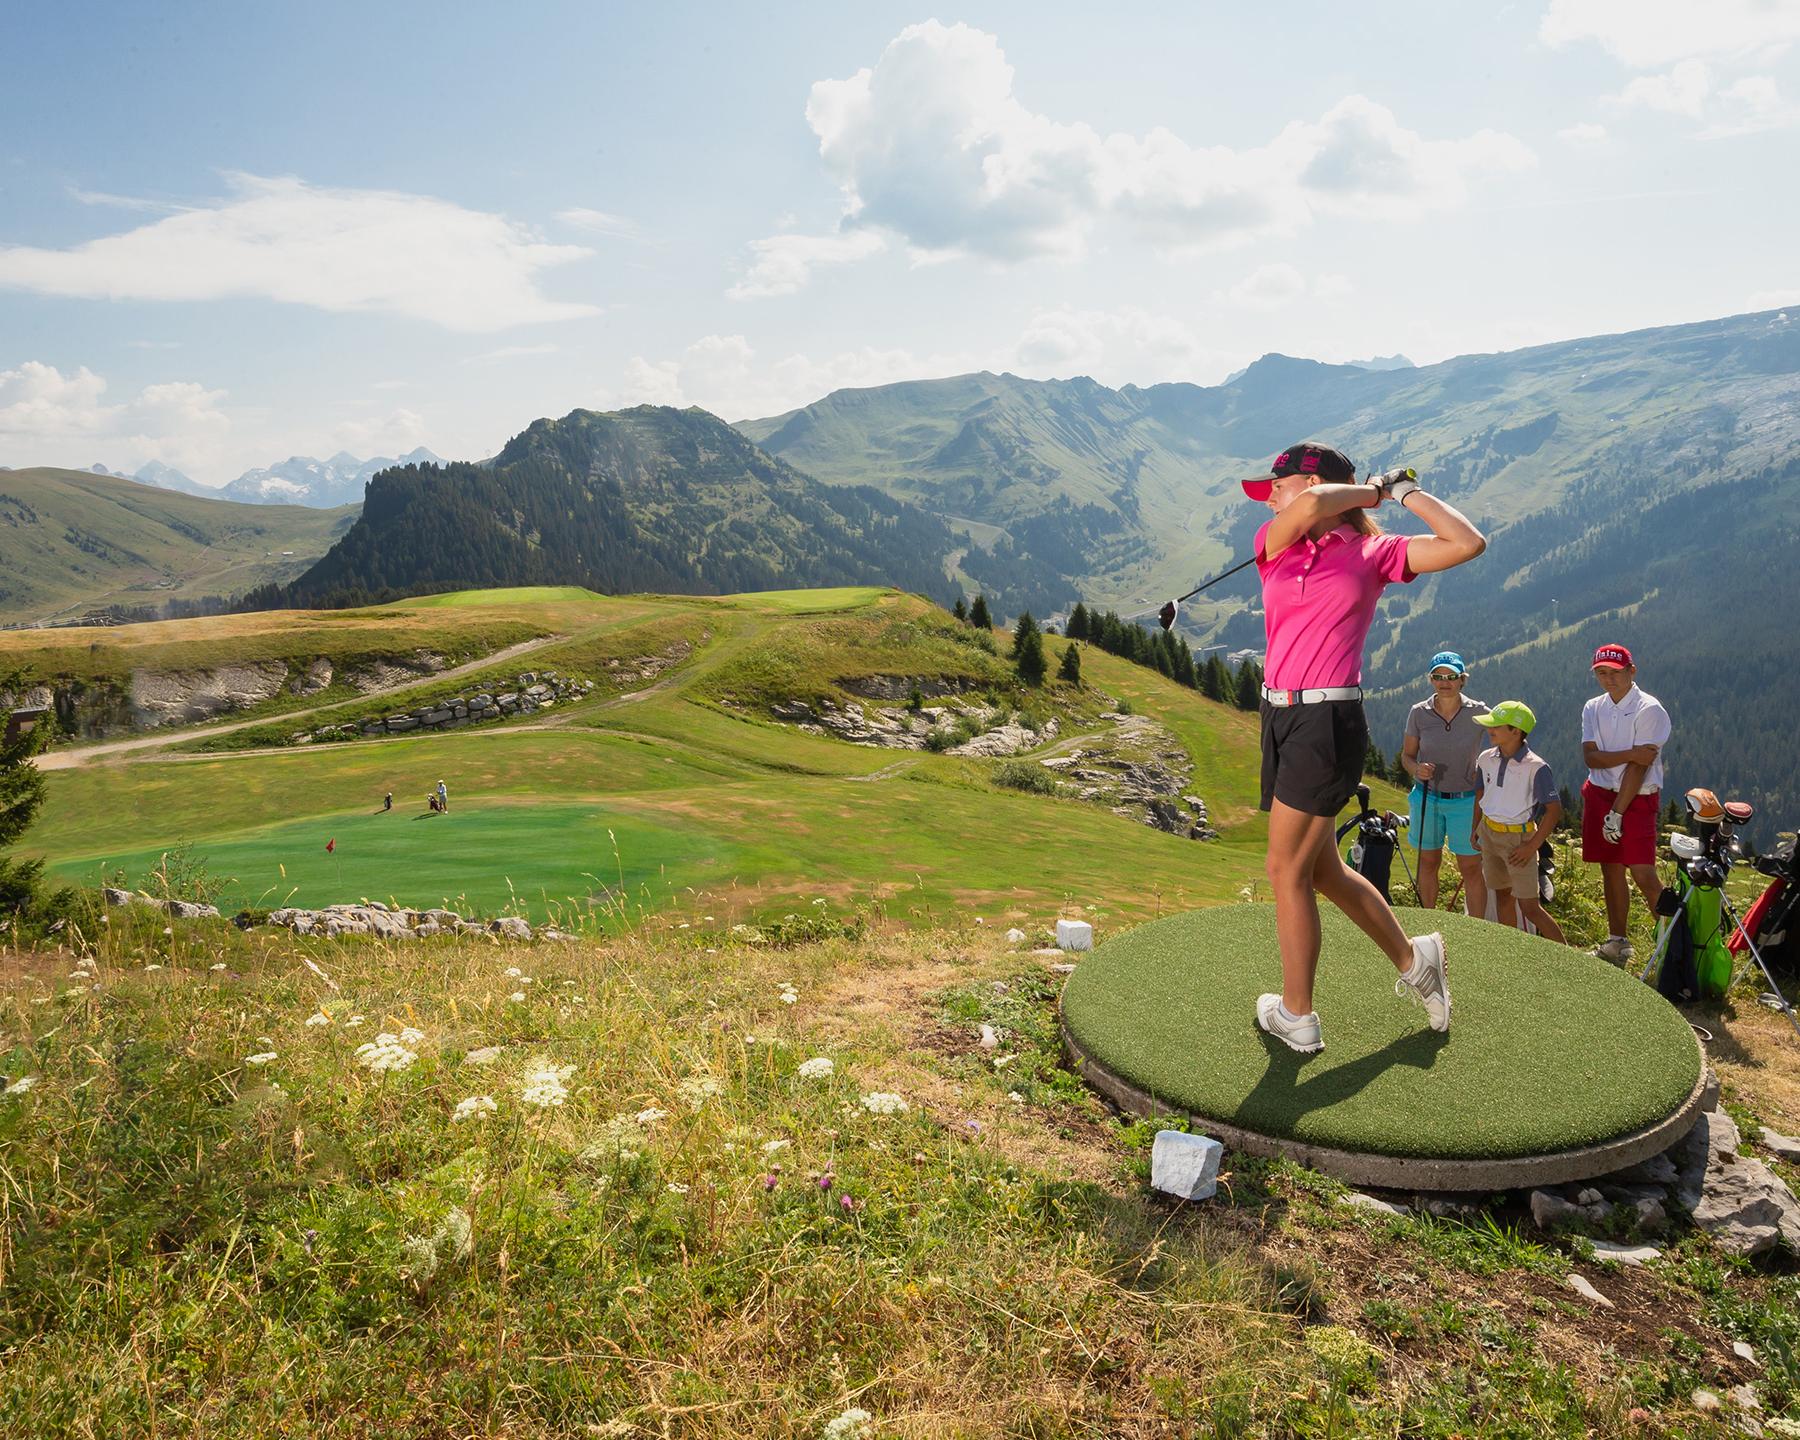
(230, 233)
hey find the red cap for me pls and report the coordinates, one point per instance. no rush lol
(1612, 657)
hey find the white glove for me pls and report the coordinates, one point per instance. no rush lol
(1395, 485)
(1613, 827)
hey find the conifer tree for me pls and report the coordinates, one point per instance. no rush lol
(21, 793)
(1028, 651)
(1070, 670)
(978, 614)
(1213, 679)
(1078, 622)
(1248, 694)
(960, 609)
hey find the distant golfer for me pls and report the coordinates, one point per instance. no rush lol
(1324, 564)
(1623, 731)
(443, 798)
(1442, 741)
(387, 801)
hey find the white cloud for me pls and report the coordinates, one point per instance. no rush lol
(1682, 91)
(1772, 300)
(49, 418)
(781, 264)
(1644, 34)
(1749, 105)
(598, 222)
(1116, 347)
(1269, 287)
(1585, 133)
(392, 434)
(723, 374)
(511, 352)
(931, 145)
(334, 249)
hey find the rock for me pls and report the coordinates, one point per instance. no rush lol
(1015, 937)
(1783, 1147)
(1712, 1142)
(1705, 1402)
(1744, 1397)
(425, 929)
(1609, 1253)
(396, 724)
(1446, 1207)
(510, 927)
(1589, 1196)
(1746, 1208)
(1743, 1352)
(1581, 1286)
(1185, 1166)
(1657, 1170)
(1651, 1214)
(1074, 935)
(1550, 1210)
(989, 1040)
(188, 910)
(115, 897)
(1356, 1200)
(1709, 1090)
(1064, 968)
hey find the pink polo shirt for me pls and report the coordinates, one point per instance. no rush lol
(1319, 601)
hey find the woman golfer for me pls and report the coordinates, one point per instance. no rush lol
(1323, 564)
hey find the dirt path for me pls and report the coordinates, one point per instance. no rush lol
(79, 755)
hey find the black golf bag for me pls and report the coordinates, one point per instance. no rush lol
(1377, 838)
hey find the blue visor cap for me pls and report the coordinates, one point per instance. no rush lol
(1447, 660)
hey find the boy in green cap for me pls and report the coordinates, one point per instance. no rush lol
(1516, 808)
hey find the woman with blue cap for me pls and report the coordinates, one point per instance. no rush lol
(1439, 752)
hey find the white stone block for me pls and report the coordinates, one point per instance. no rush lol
(1185, 1166)
(1074, 935)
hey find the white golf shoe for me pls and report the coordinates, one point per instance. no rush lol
(1301, 1034)
(1428, 981)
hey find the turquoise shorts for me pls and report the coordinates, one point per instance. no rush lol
(1439, 820)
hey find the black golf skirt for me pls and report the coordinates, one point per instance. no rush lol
(1312, 755)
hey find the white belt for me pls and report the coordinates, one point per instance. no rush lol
(1311, 697)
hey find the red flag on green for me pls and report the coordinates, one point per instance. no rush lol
(331, 845)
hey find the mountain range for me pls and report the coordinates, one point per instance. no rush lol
(297, 480)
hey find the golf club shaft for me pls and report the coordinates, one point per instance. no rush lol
(1203, 585)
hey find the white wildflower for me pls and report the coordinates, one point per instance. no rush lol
(383, 1053)
(696, 1090)
(320, 1019)
(19, 1086)
(517, 997)
(817, 1068)
(772, 1146)
(473, 1108)
(1015, 1097)
(353, 1022)
(261, 1058)
(486, 1055)
(649, 1117)
(410, 1036)
(789, 997)
(819, 901)
(219, 966)
(514, 972)
(1002, 1061)
(153, 967)
(546, 1085)
(676, 1188)
(617, 1141)
(851, 1425)
(884, 1102)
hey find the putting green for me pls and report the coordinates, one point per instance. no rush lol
(484, 855)
(1549, 1050)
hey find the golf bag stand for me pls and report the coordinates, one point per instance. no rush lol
(1706, 859)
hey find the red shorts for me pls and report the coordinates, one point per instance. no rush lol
(1638, 844)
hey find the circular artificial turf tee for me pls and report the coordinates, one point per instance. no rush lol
(1549, 1049)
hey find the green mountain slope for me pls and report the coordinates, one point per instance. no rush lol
(646, 499)
(1631, 485)
(72, 541)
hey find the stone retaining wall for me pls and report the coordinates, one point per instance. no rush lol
(531, 692)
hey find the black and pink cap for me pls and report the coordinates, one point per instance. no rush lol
(1303, 459)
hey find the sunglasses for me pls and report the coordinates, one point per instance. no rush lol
(1443, 678)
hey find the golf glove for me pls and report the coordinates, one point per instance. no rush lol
(1613, 827)
(1396, 485)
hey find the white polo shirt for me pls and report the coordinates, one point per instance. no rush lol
(1638, 719)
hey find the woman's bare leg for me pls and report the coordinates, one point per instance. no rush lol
(1362, 902)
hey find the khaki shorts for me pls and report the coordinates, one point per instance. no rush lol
(1498, 871)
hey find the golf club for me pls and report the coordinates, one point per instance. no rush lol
(1171, 609)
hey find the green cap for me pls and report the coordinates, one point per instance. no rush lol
(1510, 712)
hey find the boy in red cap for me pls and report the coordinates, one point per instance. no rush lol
(1623, 731)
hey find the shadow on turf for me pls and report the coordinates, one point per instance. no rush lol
(1282, 1093)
